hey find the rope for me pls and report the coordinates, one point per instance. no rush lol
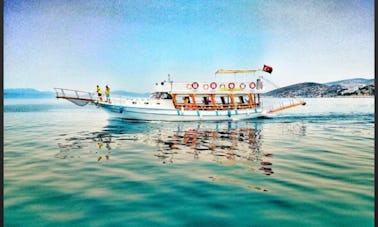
(276, 86)
(299, 101)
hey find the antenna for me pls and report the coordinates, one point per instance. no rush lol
(170, 81)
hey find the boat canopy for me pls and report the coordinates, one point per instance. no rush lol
(233, 71)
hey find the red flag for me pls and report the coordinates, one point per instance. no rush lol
(267, 69)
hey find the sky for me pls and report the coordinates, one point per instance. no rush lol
(132, 44)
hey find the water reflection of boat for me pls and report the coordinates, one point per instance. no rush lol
(225, 143)
(86, 144)
(175, 143)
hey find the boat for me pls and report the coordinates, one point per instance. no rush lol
(190, 101)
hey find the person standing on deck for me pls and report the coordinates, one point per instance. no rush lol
(99, 93)
(107, 93)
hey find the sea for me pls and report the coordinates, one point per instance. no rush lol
(66, 165)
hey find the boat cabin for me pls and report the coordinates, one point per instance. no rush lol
(210, 96)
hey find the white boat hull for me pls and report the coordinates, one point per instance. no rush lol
(165, 114)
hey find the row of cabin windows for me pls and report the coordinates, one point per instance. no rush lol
(219, 100)
(205, 99)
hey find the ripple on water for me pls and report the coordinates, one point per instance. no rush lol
(81, 169)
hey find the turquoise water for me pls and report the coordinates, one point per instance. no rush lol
(72, 166)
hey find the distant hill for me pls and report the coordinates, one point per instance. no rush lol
(299, 90)
(351, 82)
(355, 87)
(27, 93)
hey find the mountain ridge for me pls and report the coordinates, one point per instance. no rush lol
(350, 87)
(351, 81)
(27, 93)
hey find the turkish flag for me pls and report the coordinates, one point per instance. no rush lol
(267, 69)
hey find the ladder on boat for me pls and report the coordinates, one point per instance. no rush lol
(284, 107)
(80, 98)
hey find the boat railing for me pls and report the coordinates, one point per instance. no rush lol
(128, 99)
(74, 94)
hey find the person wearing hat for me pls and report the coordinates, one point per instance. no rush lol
(107, 93)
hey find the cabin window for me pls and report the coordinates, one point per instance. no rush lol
(161, 95)
(165, 95)
(223, 101)
(241, 100)
(181, 99)
(156, 95)
(257, 98)
(186, 100)
(205, 100)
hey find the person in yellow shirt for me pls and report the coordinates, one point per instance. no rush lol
(99, 93)
(107, 93)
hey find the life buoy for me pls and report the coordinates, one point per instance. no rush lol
(242, 85)
(222, 86)
(205, 86)
(213, 85)
(189, 86)
(195, 85)
(231, 85)
(252, 85)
